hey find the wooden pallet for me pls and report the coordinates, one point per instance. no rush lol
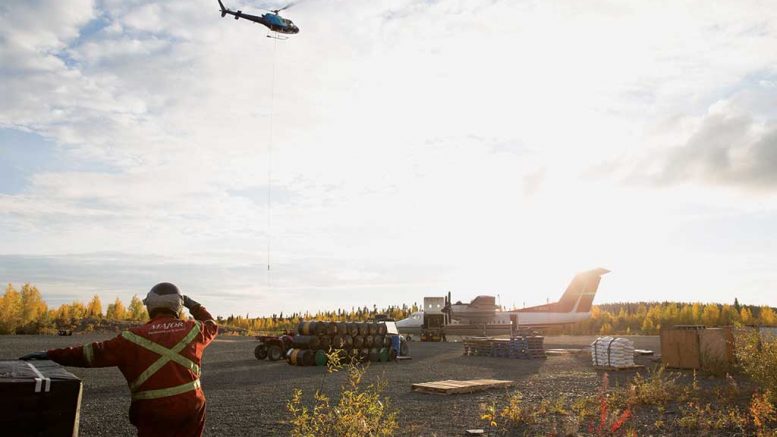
(634, 367)
(452, 386)
(564, 351)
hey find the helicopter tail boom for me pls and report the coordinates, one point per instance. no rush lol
(223, 9)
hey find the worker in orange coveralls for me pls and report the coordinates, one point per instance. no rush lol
(160, 360)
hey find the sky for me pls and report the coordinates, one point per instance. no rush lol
(389, 151)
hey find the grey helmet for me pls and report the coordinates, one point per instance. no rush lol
(164, 296)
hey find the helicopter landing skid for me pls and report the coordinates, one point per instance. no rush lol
(276, 36)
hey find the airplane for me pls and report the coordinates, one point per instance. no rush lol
(482, 315)
(272, 20)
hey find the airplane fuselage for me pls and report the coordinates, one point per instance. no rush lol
(498, 321)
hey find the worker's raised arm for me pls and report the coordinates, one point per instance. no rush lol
(209, 327)
(97, 354)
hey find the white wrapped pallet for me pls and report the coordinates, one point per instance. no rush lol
(612, 352)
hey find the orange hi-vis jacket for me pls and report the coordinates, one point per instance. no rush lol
(160, 361)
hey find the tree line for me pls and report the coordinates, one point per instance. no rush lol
(287, 322)
(649, 317)
(24, 311)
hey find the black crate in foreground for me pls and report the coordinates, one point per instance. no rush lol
(38, 398)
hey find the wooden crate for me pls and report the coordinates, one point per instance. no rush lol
(452, 386)
(697, 347)
(680, 347)
(716, 348)
(38, 398)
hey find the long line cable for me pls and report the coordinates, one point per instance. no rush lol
(269, 162)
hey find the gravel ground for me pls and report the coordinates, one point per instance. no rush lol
(247, 397)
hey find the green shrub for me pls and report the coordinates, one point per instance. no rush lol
(706, 418)
(360, 411)
(658, 388)
(757, 357)
(517, 418)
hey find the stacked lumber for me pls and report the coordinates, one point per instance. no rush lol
(520, 347)
(501, 349)
(478, 347)
(528, 347)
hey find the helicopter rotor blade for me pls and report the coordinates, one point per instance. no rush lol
(275, 11)
(285, 7)
(288, 5)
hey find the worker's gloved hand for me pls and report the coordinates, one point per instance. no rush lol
(35, 356)
(189, 303)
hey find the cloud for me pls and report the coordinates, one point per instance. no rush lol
(734, 144)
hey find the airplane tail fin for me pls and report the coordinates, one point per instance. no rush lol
(579, 296)
(223, 9)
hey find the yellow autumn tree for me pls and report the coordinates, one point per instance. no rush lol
(33, 306)
(710, 315)
(95, 307)
(746, 316)
(729, 315)
(696, 310)
(647, 326)
(63, 313)
(77, 310)
(136, 310)
(116, 311)
(10, 310)
(767, 316)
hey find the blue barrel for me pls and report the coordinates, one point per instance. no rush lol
(395, 343)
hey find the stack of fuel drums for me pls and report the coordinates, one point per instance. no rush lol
(354, 341)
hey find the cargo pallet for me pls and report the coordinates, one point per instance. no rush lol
(451, 386)
(617, 368)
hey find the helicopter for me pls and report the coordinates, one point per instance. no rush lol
(272, 20)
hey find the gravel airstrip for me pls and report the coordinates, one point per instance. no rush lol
(247, 397)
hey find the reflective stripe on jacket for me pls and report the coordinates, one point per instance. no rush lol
(165, 356)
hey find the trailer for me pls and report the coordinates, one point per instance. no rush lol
(273, 347)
